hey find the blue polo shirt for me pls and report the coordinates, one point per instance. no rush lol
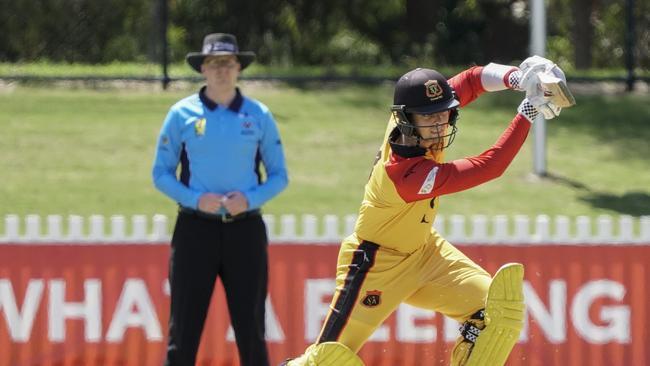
(219, 150)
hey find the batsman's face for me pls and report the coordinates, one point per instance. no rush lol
(221, 71)
(432, 128)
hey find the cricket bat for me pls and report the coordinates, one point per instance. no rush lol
(556, 90)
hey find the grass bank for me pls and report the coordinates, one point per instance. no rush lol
(85, 152)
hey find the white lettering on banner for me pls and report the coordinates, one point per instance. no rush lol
(20, 323)
(274, 332)
(552, 322)
(616, 317)
(89, 310)
(134, 294)
(381, 334)
(315, 308)
(451, 329)
(135, 309)
(167, 289)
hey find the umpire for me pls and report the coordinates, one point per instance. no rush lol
(219, 137)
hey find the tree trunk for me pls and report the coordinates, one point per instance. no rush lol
(583, 33)
(421, 18)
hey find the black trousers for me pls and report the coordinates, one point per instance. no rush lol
(202, 249)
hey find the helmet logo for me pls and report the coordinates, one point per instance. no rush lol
(433, 89)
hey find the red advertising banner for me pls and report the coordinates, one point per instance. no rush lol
(107, 304)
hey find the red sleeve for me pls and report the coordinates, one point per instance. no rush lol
(468, 85)
(419, 178)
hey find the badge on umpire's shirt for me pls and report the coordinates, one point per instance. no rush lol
(199, 127)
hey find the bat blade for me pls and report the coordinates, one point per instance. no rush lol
(556, 90)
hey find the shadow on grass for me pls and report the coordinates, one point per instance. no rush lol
(619, 121)
(629, 203)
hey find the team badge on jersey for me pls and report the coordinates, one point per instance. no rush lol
(433, 89)
(199, 127)
(372, 298)
(247, 128)
(427, 186)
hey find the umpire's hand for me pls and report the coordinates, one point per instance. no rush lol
(235, 202)
(211, 202)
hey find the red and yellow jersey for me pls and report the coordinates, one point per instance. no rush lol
(401, 196)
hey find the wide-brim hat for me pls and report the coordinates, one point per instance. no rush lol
(219, 44)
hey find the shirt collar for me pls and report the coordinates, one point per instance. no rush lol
(234, 106)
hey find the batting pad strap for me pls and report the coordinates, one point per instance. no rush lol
(469, 332)
(479, 315)
(472, 327)
(494, 77)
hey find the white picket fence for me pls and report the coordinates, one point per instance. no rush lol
(478, 229)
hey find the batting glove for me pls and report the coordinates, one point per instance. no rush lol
(531, 69)
(548, 109)
(525, 78)
(520, 80)
(528, 110)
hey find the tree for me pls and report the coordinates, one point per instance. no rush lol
(583, 32)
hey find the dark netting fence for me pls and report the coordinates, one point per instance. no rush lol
(582, 35)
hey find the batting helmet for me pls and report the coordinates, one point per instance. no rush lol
(424, 91)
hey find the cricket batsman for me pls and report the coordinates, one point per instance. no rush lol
(395, 255)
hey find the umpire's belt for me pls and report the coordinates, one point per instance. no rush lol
(225, 218)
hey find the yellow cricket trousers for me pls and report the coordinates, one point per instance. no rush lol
(372, 281)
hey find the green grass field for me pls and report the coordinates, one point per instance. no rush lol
(78, 151)
(180, 69)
